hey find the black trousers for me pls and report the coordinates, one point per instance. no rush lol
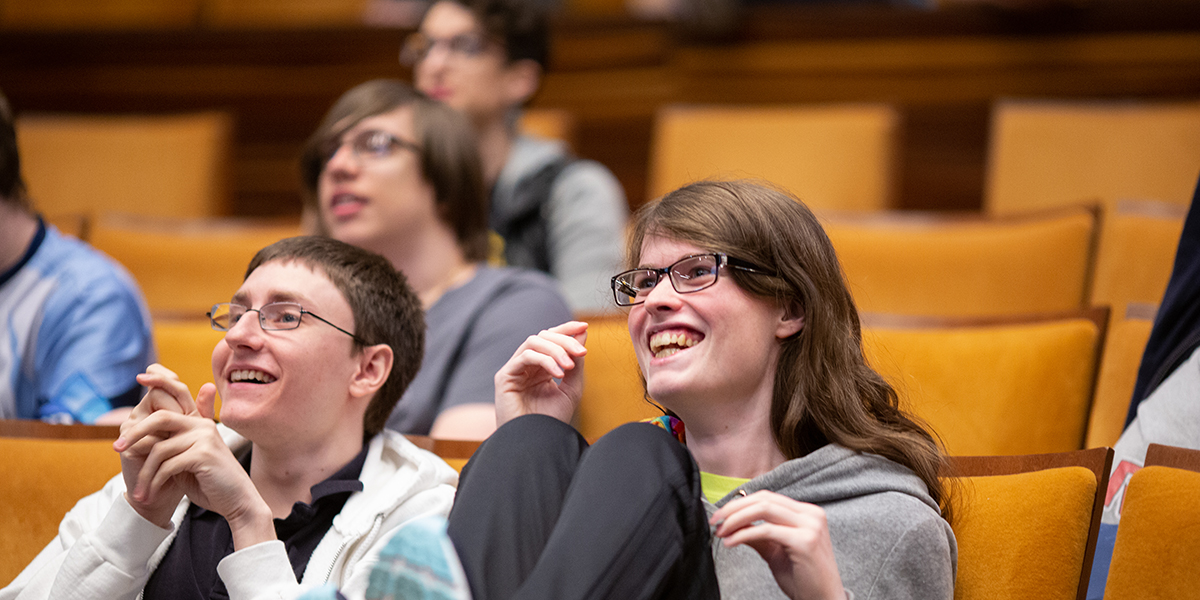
(541, 515)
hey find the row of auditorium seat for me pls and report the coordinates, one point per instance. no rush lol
(842, 157)
(926, 264)
(1026, 526)
(958, 322)
(1043, 154)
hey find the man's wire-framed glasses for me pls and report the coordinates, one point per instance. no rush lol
(276, 316)
(688, 274)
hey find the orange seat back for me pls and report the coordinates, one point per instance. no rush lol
(838, 157)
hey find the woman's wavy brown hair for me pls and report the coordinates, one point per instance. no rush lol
(824, 389)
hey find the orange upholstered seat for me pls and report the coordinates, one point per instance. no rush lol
(548, 123)
(1046, 153)
(159, 165)
(1136, 253)
(613, 393)
(1123, 348)
(965, 266)
(44, 478)
(1026, 526)
(1016, 387)
(832, 157)
(1158, 542)
(186, 265)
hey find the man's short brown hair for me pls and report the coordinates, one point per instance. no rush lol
(386, 309)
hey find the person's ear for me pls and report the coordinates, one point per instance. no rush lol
(521, 81)
(374, 366)
(790, 323)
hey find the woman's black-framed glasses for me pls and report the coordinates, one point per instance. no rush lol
(688, 274)
(276, 316)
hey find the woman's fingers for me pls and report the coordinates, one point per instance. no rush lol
(531, 366)
(765, 506)
(564, 348)
(571, 328)
(554, 350)
(544, 375)
(791, 536)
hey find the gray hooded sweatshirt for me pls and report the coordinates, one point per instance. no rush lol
(888, 535)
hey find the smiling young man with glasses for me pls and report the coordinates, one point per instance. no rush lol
(556, 214)
(299, 485)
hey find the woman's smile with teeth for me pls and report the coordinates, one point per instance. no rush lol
(666, 343)
(250, 376)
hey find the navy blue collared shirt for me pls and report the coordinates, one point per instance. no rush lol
(189, 569)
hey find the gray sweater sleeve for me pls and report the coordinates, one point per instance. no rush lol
(586, 218)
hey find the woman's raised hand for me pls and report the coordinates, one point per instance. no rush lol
(792, 536)
(544, 376)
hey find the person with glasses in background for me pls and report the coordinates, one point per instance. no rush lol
(397, 173)
(299, 485)
(76, 330)
(556, 213)
(798, 476)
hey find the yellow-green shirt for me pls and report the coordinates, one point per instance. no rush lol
(716, 487)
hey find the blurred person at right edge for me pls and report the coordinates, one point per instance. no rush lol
(556, 213)
(1165, 406)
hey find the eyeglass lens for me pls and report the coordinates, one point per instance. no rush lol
(274, 316)
(690, 274)
(372, 143)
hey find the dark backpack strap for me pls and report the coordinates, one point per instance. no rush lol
(522, 224)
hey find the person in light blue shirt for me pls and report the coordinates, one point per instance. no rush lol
(74, 328)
